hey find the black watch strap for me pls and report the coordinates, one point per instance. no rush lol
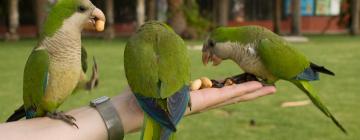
(111, 118)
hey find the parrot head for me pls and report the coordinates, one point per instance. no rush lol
(216, 47)
(77, 14)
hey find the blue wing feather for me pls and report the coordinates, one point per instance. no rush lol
(177, 104)
(30, 113)
(155, 111)
(308, 74)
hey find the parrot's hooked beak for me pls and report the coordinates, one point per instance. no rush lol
(96, 21)
(207, 56)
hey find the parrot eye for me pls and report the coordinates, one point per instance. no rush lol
(211, 43)
(82, 9)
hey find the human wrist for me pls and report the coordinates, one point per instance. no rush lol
(109, 115)
(128, 110)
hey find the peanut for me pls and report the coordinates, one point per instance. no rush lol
(205, 82)
(228, 82)
(100, 25)
(195, 85)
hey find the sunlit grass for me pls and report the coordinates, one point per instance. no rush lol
(341, 93)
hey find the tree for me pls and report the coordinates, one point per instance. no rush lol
(151, 10)
(223, 10)
(354, 29)
(12, 35)
(176, 17)
(40, 6)
(296, 18)
(277, 16)
(140, 12)
(109, 32)
(197, 25)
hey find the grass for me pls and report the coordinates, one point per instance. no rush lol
(341, 93)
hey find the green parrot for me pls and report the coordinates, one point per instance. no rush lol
(262, 53)
(57, 65)
(157, 69)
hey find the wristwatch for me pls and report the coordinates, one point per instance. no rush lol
(111, 119)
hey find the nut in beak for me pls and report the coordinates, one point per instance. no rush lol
(96, 21)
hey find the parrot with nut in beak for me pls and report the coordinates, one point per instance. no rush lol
(157, 69)
(57, 65)
(262, 53)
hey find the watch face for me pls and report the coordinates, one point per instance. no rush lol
(98, 101)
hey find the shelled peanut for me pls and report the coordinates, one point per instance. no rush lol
(201, 83)
(195, 85)
(205, 82)
(100, 25)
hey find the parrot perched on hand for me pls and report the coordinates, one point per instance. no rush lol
(57, 65)
(157, 68)
(262, 53)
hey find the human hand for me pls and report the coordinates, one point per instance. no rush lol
(211, 98)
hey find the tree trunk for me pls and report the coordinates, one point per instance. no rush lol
(223, 12)
(161, 10)
(296, 18)
(151, 9)
(109, 7)
(13, 21)
(176, 17)
(277, 16)
(354, 29)
(140, 12)
(215, 9)
(40, 7)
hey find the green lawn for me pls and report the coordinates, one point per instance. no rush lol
(341, 93)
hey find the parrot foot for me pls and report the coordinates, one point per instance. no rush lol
(217, 84)
(242, 78)
(62, 116)
(94, 81)
(264, 83)
(238, 79)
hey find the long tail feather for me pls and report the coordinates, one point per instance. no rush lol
(152, 130)
(17, 115)
(306, 87)
(321, 69)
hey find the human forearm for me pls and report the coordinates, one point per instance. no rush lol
(88, 120)
(92, 127)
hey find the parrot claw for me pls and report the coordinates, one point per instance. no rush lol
(62, 116)
(217, 84)
(94, 81)
(245, 77)
(266, 84)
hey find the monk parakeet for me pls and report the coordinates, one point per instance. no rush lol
(157, 69)
(57, 65)
(266, 55)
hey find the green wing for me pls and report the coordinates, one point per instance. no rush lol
(84, 65)
(156, 62)
(280, 59)
(35, 78)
